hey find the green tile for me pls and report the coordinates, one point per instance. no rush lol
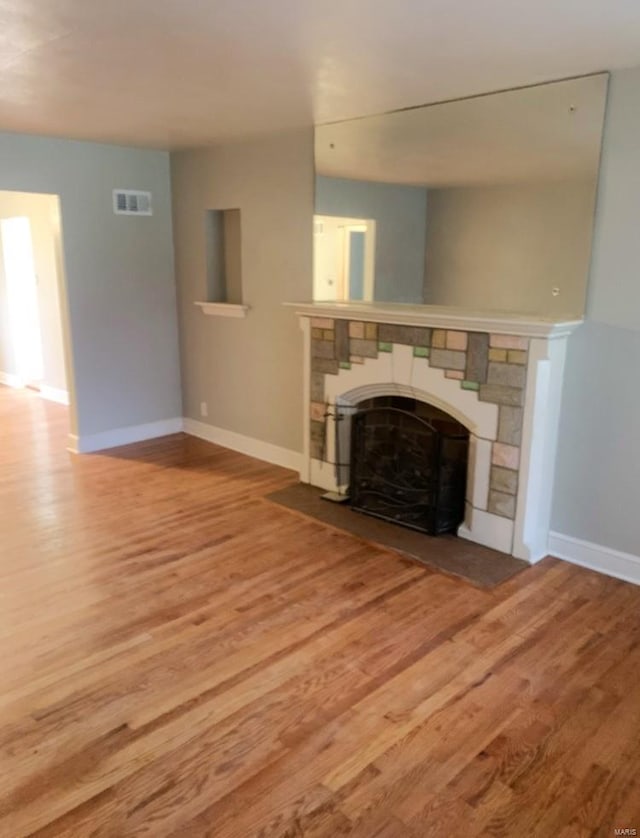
(469, 385)
(421, 351)
(385, 347)
(345, 365)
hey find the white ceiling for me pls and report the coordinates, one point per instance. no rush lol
(190, 72)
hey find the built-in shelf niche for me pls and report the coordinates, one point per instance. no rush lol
(223, 238)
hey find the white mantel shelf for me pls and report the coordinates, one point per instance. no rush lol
(442, 317)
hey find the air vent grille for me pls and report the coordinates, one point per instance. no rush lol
(132, 202)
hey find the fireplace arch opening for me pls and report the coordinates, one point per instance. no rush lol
(408, 464)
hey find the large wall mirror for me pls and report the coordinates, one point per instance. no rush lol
(484, 203)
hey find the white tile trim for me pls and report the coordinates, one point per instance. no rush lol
(479, 472)
(485, 528)
(250, 446)
(597, 557)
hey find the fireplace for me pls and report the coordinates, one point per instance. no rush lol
(498, 375)
(408, 464)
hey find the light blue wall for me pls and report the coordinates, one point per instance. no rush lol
(597, 485)
(121, 298)
(401, 228)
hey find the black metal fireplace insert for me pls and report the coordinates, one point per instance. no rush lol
(408, 464)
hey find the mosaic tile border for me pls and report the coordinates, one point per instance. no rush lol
(492, 365)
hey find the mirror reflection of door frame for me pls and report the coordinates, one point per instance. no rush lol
(346, 226)
(369, 230)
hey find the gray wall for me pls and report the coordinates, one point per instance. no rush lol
(120, 293)
(401, 215)
(43, 214)
(506, 247)
(248, 371)
(597, 486)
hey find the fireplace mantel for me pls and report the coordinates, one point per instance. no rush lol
(442, 317)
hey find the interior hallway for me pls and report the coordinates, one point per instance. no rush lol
(182, 657)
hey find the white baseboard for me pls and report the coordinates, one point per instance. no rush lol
(54, 394)
(123, 436)
(596, 557)
(248, 445)
(9, 379)
(51, 394)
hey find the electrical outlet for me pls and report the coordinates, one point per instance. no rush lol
(204, 409)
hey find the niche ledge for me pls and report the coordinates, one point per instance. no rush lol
(223, 309)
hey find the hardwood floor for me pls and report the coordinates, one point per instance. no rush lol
(182, 657)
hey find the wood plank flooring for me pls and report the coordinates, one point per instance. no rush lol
(181, 657)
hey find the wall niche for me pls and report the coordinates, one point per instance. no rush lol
(223, 244)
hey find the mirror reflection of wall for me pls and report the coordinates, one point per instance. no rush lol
(484, 203)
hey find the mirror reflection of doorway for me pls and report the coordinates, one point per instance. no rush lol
(344, 259)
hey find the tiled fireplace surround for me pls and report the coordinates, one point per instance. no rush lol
(499, 375)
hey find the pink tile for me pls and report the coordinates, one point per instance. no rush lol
(356, 329)
(321, 323)
(457, 340)
(505, 455)
(508, 342)
(317, 411)
(457, 374)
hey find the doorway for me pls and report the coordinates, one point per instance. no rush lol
(23, 310)
(32, 321)
(344, 259)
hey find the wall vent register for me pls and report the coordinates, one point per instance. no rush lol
(132, 202)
